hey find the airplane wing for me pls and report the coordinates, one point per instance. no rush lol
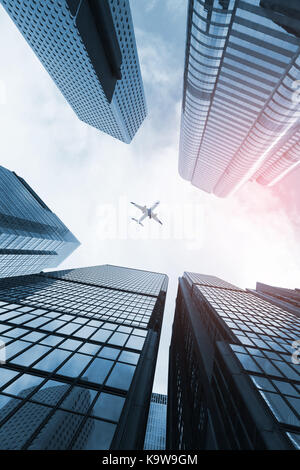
(154, 217)
(142, 208)
(142, 218)
(154, 205)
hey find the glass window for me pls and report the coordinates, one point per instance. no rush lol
(286, 388)
(31, 355)
(58, 433)
(118, 339)
(95, 435)
(85, 332)
(101, 335)
(263, 383)
(52, 360)
(280, 409)
(108, 406)
(69, 329)
(121, 376)
(109, 326)
(109, 353)
(6, 375)
(15, 347)
(79, 400)
(248, 363)
(98, 370)
(89, 348)
(31, 415)
(52, 340)
(34, 336)
(24, 385)
(70, 344)
(51, 392)
(130, 357)
(74, 366)
(135, 342)
(7, 404)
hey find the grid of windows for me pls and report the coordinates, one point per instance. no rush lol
(155, 438)
(68, 369)
(94, 302)
(206, 280)
(51, 30)
(240, 71)
(231, 353)
(134, 280)
(32, 237)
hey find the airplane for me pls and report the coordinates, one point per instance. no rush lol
(146, 213)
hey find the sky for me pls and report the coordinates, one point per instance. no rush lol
(88, 178)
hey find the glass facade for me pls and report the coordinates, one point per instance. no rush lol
(32, 237)
(242, 64)
(289, 299)
(233, 383)
(89, 50)
(78, 358)
(155, 438)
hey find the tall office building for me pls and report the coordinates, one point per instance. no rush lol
(80, 356)
(32, 237)
(288, 299)
(233, 381)
(240, 109)
(88, 47)
(155, 438)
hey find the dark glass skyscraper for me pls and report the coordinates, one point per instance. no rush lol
(32, 237)
(155, 438)
(288, 299)
(80, 350)
(233, 380)
(88, 47)
(240, 116)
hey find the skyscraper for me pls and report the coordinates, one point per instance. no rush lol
(89, 49)
(233, 381)
(240, 108)
(81, 348)
(288, 299)
(32, 237)
(155, 438)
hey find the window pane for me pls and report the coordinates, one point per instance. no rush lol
(108, 406)
(121, 376)
(98, 370)
(95, 435)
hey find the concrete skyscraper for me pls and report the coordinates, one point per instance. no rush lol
(88, 47)
(240, 110)
(81, 348)
(32, 237)
(234, 380)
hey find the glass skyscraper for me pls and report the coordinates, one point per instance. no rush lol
(155, 438)
(88, 47)
(80, 350)
(234, 382)
(240, 109)
(32, 237)
(289, 299)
